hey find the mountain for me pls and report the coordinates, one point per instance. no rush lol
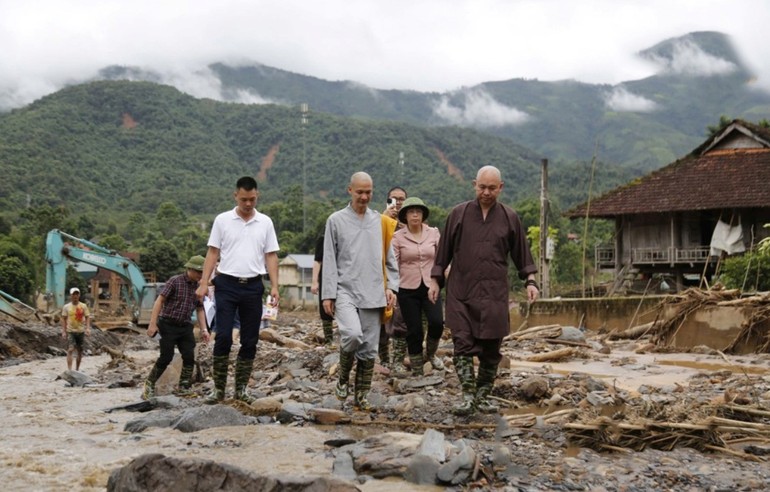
(639, 124)
(117, 147)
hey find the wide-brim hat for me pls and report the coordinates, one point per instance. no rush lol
(411, 202)
(195, 263)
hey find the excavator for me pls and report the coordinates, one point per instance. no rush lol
(62, 248)
(14, 308)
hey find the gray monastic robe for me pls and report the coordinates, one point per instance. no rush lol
(352, 262)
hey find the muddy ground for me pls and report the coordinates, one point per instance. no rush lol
(597, 415)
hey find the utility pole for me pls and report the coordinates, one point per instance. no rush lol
(304, 110)
(546, 246)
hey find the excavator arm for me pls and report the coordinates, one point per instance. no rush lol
(62, 247)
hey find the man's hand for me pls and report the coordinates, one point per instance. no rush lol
(205, 335)
(201, 291)
(152, 330)
(390, 296)
(329, 307)
(314, 288)
(274, 295)
(532, 293)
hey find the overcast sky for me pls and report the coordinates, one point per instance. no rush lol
(425, 45)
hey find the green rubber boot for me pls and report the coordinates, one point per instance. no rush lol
(383, 349)
(399, 352)
(243, 369)
(219, 375)
(185, 381)
(484, 384)
(328, 333)
(364, 374)
(149, 384)
(343, 380)
(417, 363)
(464, 370)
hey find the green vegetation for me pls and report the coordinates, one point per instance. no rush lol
(141, 167)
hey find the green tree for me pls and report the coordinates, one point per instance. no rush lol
(113, 242)
(170, 218)
(162, 257)
(15, 278)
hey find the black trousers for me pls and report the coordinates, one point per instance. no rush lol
(174, 335)
(413, 303)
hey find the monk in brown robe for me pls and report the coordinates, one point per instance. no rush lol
(478, 237)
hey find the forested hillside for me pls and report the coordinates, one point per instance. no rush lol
(114, 148)
(140, 166)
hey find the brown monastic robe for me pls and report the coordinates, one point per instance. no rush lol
(477, 285)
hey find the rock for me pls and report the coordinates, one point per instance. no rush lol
(151, 419)
(206, 417)
(421, 470)
(383, 455)
(292, 410)
(328, 416)
(76, 378)
(534, 387)
(600, 398)
(169, 380)
(57, 351)
(452, 471)
(343, 467)
(166, 474)
(265, 406)
(571, 334)
(594, 384)
(433, 445)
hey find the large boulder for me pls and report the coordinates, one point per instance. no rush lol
(161, 473)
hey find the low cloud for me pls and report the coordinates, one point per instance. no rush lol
(204, 83)
(480, 110)
(688, 58)
(620, 99)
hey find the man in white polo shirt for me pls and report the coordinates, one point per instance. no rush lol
(246, 244)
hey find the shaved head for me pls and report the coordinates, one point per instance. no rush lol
(360, 177)
(491, 171)
(360, 190)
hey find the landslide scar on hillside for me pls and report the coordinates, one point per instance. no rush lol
(267, 162)
(451, 169)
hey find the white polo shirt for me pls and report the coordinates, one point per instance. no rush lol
(243, 244)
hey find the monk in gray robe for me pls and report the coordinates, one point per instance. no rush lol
(360, 278)
(478, 238)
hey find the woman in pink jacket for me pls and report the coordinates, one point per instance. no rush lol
(415, 249)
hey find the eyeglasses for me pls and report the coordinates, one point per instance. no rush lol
(397, 199)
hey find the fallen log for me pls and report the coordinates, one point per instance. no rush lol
(553, 355)
(270, 335)
(635, 332)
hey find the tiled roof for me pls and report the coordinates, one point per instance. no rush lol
(721, 178)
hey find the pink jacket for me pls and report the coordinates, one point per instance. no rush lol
(415, 258)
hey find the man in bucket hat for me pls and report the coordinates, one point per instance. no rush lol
(171, 318)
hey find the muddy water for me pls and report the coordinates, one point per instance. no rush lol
(647, 368)
(59, 438)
